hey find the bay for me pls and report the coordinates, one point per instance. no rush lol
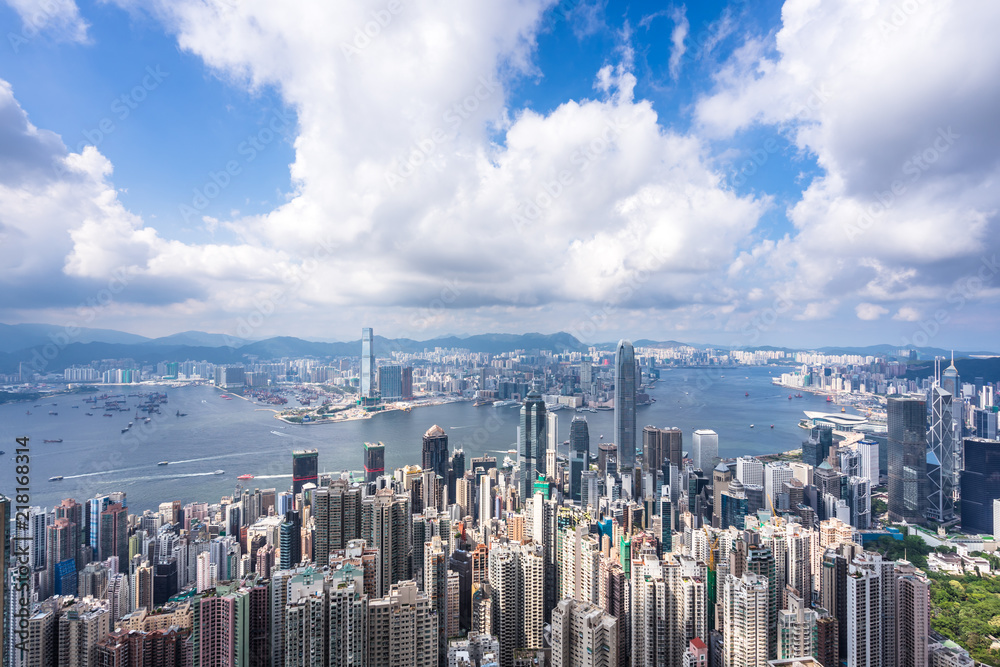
(239, 437)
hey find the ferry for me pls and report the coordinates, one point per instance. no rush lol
(245, 477)
(53, 440)
(57, 478)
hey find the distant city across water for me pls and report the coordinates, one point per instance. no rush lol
(239, 437)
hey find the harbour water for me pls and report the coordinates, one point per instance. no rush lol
(239, 437)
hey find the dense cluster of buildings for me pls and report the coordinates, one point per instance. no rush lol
(647, 551)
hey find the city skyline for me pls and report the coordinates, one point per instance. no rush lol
(700, 172)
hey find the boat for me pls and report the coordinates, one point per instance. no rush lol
(89, 414)
(843, 410)
(125, 430)
(27, 412)
(772, 425)
(147, 420)
(76, 407)
(245, 477)
(219, 472)
(181, 414)
(108, 414)
(53, 440)
(799, 395)
(751, 425)
(163, 463)
(789, 397)
(746, 393)
(53, 413)
(57, 478)
(829, 399)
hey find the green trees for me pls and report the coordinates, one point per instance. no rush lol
(967, 610)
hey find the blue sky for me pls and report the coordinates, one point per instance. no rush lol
(798, 173)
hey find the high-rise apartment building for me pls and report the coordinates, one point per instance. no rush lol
(583, 635)
(386, 526)
(517, 590)
(797, 631)
(626, 385)
(402, 628)
(745, 610)
(337, 516)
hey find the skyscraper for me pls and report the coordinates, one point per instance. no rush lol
(390, 382)
(625, 390)
(980, 485)
(868, 452)
(705, 449)
(305, 468)
(941, 446)
(367, 363)
(402, 628)
(114, 535)
(337, 515)
(435, 452)
(584, 635)
(374, 461)
(579, 458)
(907, 421)
(745, 610)
(817, 446)
(386, 525)
(533, 441)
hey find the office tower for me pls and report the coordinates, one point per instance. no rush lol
(533, 438)
(984, 421)
(402, 628)
(775, 474)
(797, 634)
(337, 518)
(980, 485)
(651, 449)
(516, 584)
(607, 458)
(733, 506)
(114, 535)
(435, 452)
(367, 364)
(816, 447)
(996, 519)
(374, 461)
(868, 453)
(305, 469)
(864, 614)
(5, 585)
(583, 635)
(750, 470)
(407, 383)
(941, 457)
(579, 457)
(290, 536)
(386, 525)
(625, 390)
(907, 419)
(745, 610)
(912, 604)
(721, 477)
(705, 449)
(390, 382)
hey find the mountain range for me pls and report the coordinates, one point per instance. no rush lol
(54, 348)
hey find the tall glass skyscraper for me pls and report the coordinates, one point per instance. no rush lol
(367, 363)
(579, 458)
(532, 435)
(941, 446)
(625, 389)
(907, 419)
